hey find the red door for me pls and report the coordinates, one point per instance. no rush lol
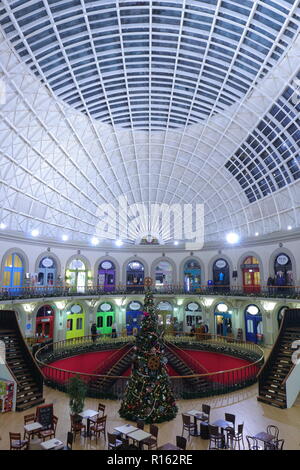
(251, 280)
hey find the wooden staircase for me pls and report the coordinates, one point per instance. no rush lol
(194, 384)
(21, 364)
(104, 384)
(272, 377)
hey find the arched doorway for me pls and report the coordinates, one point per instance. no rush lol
(75, 322)
(253, 323)
(221, 276)
(223, 320)
(44, 323)
(47, 272)
(13, 273)
(135, 274)
(165, 314)
(76, 275)
(105, 318)
(106, 276)
(251, 275)
(134, 316)
(163, 275)
(192, 317)
(280, 315)
(192, 275)
(283, 270)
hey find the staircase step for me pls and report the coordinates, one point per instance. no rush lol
(29, 404)
(271, 401)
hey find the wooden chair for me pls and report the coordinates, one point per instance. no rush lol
(28, 419)
(253, 443)
(206, 411)
(113, 442)
(235, 438)
(49, 432)
(99, 427)
(151, 441)
(187, 425)
(76, 426)
(101, 410)
(70, 440)
(216, 440)
(181, 442)
(16, 443)
(140, 424)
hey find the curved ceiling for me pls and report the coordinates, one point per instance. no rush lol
(162, 102)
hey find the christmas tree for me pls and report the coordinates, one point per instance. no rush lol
(148, 395)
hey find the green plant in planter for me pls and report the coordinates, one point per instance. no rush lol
(77, 392)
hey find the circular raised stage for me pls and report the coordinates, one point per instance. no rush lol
(197, 368)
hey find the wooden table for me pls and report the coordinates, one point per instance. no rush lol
(221, 423)
(169, 446)
(139, 436)
(51, 444)
(32, 428)
(87, 414)
(126, 429)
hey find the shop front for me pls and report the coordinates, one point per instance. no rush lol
(192, 276)
(135, 274)
(163, 275)
(105, 317)
(47, 273)
(283, 269)
(192, 316)
(106, 276)
(75, 322)
(13, 274)
(221, 278)
(251, 275)
(44, 323)
(134, 316)
(253, 324)
(77, 275)
(223, 320)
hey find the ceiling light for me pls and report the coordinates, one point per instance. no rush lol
(95, 241)
(65, 238)
(289, 227)
(256, 234)
(119, 242)
(35, 232)
(176, 242)
(2, 226)
(232, 238)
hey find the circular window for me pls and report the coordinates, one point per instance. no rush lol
(222, 308)
(252, 309)
(76, 308)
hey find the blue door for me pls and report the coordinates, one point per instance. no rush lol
(133, 321)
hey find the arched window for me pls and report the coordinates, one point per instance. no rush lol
(47, 272)
(251, 275)
(134, 316)
(105, 318)
(76, 275)
(13, 273)
(163, 274)
(192, 275)
(165, 313)
(253, 324)
(135, 274)
(283, 271)
(45, 323)
(75, 322)
(193, 316)
(106, 275)
(221, 277)
(223, 319)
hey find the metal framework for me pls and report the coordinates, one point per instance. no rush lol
(161, 101)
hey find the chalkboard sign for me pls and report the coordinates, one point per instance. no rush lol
(44, 415)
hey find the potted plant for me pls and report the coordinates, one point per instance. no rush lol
(77, 392)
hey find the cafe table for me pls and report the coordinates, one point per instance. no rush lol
(197, 415)
(125, 429)
(32, 428)
(264, 437)
(87, 414)
(168, 446)
(139, 435)
(51, 444)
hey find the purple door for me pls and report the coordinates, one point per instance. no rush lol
(107, 276)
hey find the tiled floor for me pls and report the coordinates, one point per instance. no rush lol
(255, 415)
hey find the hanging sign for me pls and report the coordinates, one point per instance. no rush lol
(193, 307)
(282, 260)
(47, 262)
(221, 263)
(105, 307)
(106, 265)
(134, 306)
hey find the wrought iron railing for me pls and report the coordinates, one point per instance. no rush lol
(289, 292)
(214, 383)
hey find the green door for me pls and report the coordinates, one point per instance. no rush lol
(104, 321)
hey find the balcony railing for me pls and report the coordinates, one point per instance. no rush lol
(215, 383)
(289, 292)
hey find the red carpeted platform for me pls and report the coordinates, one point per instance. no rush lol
(96, 362)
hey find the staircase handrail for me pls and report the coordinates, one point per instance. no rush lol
(188, 360)
(110, 360)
